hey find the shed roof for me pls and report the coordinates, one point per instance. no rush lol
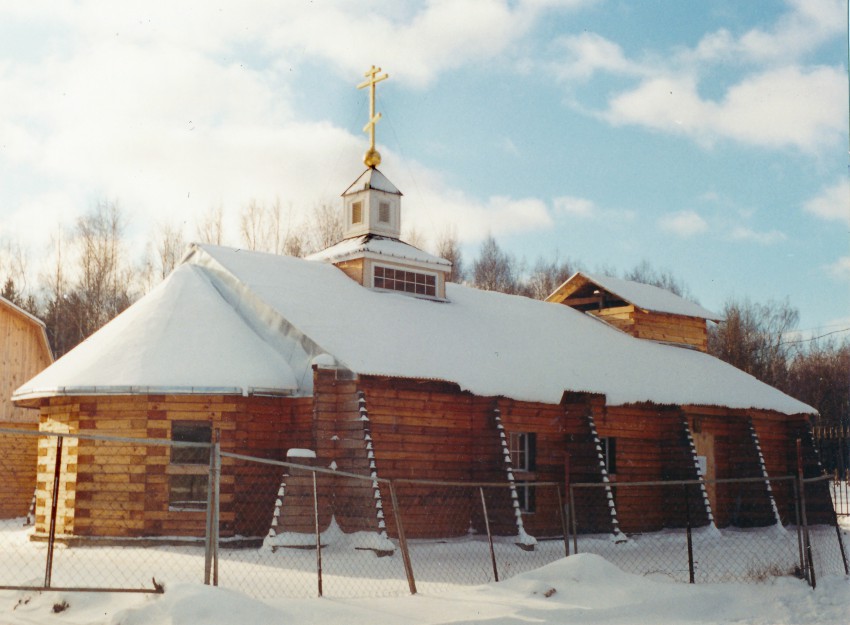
(644, 296)
(490, 344)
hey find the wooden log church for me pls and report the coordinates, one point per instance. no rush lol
(363, 358)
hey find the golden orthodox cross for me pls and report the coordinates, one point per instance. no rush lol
(372, 158)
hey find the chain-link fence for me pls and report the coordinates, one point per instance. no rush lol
(703, 531)
(103, 512)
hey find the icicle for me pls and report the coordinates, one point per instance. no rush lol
(281, 492)
(333, 465)
(274, 524)
(278, 503)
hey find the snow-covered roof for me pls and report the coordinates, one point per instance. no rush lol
(377, 247)
(488, 343)
(182, 337)
(645, 296)
(372, 178)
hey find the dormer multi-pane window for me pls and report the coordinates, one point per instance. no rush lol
(413, 282)
(357, 212)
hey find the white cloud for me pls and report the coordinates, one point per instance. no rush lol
(787, 107)
(436, 206)
(589, 53)
(777, 102)
(683, 223)
(841, 268)
(742, 233)
(806, 26)
(833, 204)
(575, 206)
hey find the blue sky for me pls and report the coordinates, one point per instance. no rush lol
(707, 138)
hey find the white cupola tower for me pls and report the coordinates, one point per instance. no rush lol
(372, 205)
(371, 251)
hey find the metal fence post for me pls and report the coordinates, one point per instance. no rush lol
(402, 541)
(216, 504)
(54, 507)
(318, 533)
(564, 507)
(690, 537)
(810, 565)
(574, 515)
(489, 535)
(208, 535)
(564, 513)
(796, 492)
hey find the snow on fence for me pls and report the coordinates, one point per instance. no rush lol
(128, 514)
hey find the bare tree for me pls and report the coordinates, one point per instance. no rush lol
(752, 337)
(448, 247)
(170, 247)
(415, 237)
(494, 269)
(210, 228)
(819, 375)
(547, 276)
(645, 273)
(253, 226)
(325, 226)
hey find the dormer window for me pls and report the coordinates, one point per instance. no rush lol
(413, 282)
(384, 212)
(357, 212)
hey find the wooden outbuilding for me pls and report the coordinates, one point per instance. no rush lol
(25, 352)
(642, 310)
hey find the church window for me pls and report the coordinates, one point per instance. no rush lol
(384, 212)
(609, 454)
(412, 282)
(523, 448)
(357, 212)
(188, 472)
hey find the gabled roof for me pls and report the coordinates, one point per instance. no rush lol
(644, 296)
(182, 337)
(488, 343)
(375, 246)
(372, 178)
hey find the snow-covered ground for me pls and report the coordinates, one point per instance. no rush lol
(583, 588)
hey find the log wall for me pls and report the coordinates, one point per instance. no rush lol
(651, 446)
(429, 430)
(657, 326)
(18, 457)
(735, 456)
(122, 490)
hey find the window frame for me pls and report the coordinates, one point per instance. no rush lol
(523, 450)
(427, 287)
(188, 467)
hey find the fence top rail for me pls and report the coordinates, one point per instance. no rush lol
(820, 478)
(733, 480)
(476, 484)
(105, 437)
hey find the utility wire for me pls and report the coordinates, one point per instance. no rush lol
(814, 338)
